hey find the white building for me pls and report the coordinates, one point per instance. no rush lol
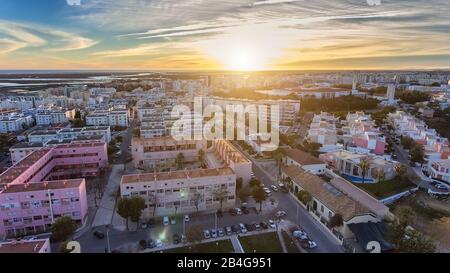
(44, 136)
(112, 117)
(14, 122)
(53, 116)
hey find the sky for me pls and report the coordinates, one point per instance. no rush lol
(224, 34)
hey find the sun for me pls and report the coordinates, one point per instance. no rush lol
(243, 59)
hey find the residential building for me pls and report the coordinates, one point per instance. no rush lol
(112, 117)
(22, 150)
(185, 191)
(303, 160)
(51, 116)
(347, 164)
(440, 170)
(26, 247)
(323, 131)
(233, 158)
(44, 136)
(14, 122)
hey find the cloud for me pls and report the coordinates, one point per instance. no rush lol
(272, 2)
(74, 2)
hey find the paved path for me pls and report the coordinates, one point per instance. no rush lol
(236, 244)
(107, 205)
(282, 242)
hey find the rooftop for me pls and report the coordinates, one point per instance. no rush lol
(47, 185)
(301, 157)
(326, 193)
(23, 246)
(184, 174)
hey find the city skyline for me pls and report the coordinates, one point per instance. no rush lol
(224, 35)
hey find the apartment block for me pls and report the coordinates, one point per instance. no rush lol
(14, 122)
(323, 131)
(53, 116)
(44, 136)
(112, 117)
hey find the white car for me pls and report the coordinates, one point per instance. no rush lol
(173, 221)
(159, 243)
(309, 244)
(186, 218)
(243, 228)
(206, 234)
(281, 213)
(238, 211)
(300, 235)
(272, 224)
(274, 188)
(213, 233)
(166, 221)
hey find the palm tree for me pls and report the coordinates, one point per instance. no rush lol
(180, 160)
(220, 195)
(364, 166)
(201, 157)
(278, 156)
(381, 175)
(400, 169)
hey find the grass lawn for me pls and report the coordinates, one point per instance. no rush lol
(385, 189)
(290, 245)
(263, 243)
(224, 246)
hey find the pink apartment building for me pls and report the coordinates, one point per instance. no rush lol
(47, 184)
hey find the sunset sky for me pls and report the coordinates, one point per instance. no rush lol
(224, 34)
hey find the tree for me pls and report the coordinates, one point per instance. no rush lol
(254, 182)
(400, 169)
(336, 220)
(259, 195)
(239, 183)
(137, 132)
(304, 197)
(180, 160)
(196, 198)
(417, 154)
(244, 194)
(63, 228)
(380, 175)
(201, 157)
(131, 208)
(405, 215)
(194, 235)
(407, 142)
(364, 166)
(220, 195)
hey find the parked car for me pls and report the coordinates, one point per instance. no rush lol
(264, 225)
(220, 232)
(144, 226)
(206, 234)
(235, 229)
(245, 210)
(441, 186)
(281, 213)
(183, 239)
(150, 223)
(232, 212)
(242, 228)
(159, 243)
(272, 224)
(213, 233)
(228, 231)
(186, 218)
(173, 221)
(248, 227)
(300, 235)
(274, 188)
(308, 244)
(238, 211)
(176, 239)
(268, 193)
(257, 226)
(166, 221)
(99, 234)
(151, 244)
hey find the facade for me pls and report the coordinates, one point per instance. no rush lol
(181, 191)
(440, 170)
(53, 116)
(323, 93)
(234, 159)
(112, 117)
(323, 131)
(14, 122)
(44, 136)
(160, 153)
(22, 150)
(347, 164)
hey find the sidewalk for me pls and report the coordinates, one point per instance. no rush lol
(236, 244)
(105, 211)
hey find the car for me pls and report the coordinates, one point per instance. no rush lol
(206, 234)
(232, 212)
(242, 228)
(151, 243)
(238, 211)
(272, 224)
(99, 234)
(300, 235)
(248, 227)
(228, 231)
(308, 244)
(235, 229)
(281, 213)
(166, 221)
(176, 239)
(274, 188)
(220, 232)
(213, 233)
(281, 185)
(150, 223)
(264, 225)
(186, 218)
(257, 226)
(245, 210)
(159, 243)
(441, 186)
(266, 189)
(144, 225)
(173, 221)
(268, 193)
(183, 239)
